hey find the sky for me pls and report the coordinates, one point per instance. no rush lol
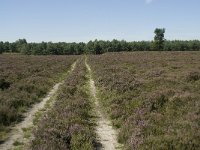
(84, 20)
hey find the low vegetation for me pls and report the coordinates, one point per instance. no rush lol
(25, 80)
(152, 97)
(70, 123)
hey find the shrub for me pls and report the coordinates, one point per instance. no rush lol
(193, 76)
(4, 84)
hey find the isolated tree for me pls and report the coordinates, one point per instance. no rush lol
(159, 39)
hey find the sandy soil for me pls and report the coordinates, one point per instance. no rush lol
(107, 135)
(17, 131)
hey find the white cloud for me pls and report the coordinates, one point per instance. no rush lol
(148, 1)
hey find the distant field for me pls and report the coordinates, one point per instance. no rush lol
(151, 98)
(24, 80)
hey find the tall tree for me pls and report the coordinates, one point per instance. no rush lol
(6, 46)
(97, 47)
(159, 38)
(1, 47)
(20, 43)
(90, 47)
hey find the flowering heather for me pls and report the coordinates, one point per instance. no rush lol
(24, 80)
(69, 124)
(152, 97)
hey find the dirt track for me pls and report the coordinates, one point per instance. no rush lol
(107, 135)
(17, 131)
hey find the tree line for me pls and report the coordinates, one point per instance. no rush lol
(99, 46)
(94, 47)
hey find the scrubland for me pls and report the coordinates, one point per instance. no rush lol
(24, 81)
(152, 97)
(70, 123)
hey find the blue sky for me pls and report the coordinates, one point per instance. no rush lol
(84, 20)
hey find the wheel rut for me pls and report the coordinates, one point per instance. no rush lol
(17, 131)
(107, 135)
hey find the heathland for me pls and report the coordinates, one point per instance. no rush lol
(24, 81)
(148, 100)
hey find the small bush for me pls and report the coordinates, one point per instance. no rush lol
(158, 102)
(193, 76)
(8, 115)
(4, 84)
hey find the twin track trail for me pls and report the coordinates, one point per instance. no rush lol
(107, 135)
(17, 131)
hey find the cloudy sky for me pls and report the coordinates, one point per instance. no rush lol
(84, 20)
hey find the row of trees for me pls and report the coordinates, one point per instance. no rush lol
(99, 47)
(43, 48)
(95, 47)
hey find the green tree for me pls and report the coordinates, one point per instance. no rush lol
(25, 49)
(52, 49)
(1, 47)
(19, 44)
(12, 48)
(116, 45)
(97, 47)
(90, 48)
(6, 46)
(159, 39)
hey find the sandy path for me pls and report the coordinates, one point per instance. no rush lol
(17, 132)
(107, 135)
